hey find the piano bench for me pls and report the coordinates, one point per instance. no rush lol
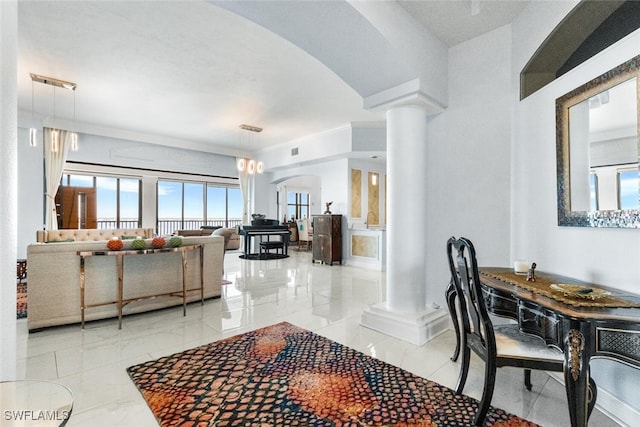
(267, 246)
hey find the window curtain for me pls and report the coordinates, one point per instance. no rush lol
(244, 190)
(53, 165)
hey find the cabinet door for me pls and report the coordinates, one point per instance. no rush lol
(321, 248)
(322, 225)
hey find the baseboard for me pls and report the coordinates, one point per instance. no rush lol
(416, 328)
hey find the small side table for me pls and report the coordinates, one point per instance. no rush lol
(21, 267)
(35, 403)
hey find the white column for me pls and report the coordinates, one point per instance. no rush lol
(405, 313)
(407, 208)
(9, 179)
(282, 191)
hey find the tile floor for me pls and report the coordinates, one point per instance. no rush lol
(327, 300)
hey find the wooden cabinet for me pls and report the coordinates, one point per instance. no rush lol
(327, 239)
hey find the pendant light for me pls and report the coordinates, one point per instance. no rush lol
(55, 133)
(243, 164)
(33, 133)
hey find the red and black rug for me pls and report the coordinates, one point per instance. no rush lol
(283, 375)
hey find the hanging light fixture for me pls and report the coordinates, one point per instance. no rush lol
(250, 165)
(55, 140)
(55, 133)
(74, 135)
(33, 133)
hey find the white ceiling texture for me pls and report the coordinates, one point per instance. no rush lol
(188, 73)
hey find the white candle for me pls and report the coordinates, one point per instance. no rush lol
(520, 266)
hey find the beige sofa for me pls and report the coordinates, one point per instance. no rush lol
(91, 235)
(232, 238)
(54, 277)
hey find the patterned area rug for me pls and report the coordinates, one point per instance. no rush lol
(21, 306)
(283, 375)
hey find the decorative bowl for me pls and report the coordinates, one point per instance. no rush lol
(579, 291)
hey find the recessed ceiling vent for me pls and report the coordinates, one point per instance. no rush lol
(294, 151)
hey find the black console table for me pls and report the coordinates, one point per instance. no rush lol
(606, 327)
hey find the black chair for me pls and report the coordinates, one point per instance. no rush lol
(497, 346)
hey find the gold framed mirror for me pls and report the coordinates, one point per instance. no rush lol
(597, 150)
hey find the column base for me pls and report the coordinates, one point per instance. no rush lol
(416, 328)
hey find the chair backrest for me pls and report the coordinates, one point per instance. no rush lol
(303, 229)
(476, 322)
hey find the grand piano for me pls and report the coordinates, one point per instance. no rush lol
(266, 230)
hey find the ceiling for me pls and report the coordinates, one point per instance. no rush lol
(188, 73)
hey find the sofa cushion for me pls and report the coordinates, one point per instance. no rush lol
(89, 235)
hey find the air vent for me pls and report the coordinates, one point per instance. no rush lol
(294, 151)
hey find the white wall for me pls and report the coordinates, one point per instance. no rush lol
(9, 179)
(120, 152)
(332, 143)
(30, 194)
(468, 187)
(333, 181)
(607, 256)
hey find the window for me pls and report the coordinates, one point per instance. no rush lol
(297, 205)
(186, 205)
(87, 201)
(628, 189)
(224, 206)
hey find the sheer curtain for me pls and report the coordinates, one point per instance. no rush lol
(53, 165)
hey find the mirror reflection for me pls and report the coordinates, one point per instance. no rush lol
(603, 150)
(597, 149)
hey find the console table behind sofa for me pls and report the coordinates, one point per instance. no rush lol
(54, 279)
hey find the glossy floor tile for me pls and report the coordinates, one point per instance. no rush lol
(325, 299)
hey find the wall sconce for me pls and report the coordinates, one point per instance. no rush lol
(374, 179)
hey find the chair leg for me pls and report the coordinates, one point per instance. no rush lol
(527, 379)
(464, 369)
(487, 391)
(451, 304)
(593, 394)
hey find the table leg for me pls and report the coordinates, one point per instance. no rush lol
(82, 279)
(184, 283)
(247, 244)
(202, 275)
(120, 263)
(286, 243)
(576, 378)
